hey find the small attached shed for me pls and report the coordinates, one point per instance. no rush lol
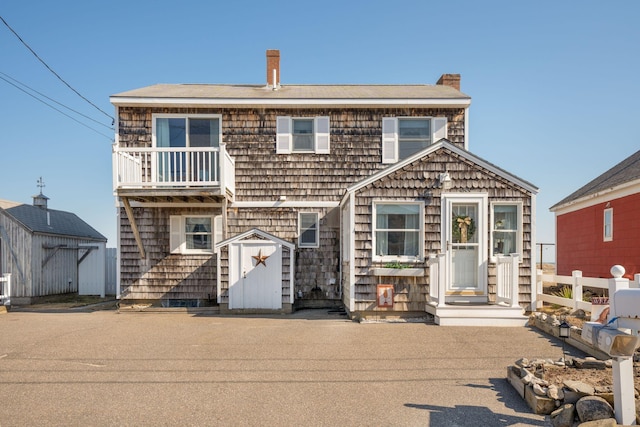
(49, 252)
(256, 273)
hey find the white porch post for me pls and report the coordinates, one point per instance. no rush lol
(538, 303)
(442, 279)
(515, 280)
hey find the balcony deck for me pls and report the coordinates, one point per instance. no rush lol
(173, 174)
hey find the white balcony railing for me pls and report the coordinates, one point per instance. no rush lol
(173, 167)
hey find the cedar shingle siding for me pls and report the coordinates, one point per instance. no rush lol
(261, 175)
(416, 183)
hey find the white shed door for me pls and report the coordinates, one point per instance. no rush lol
(255, 275)
(91, 270)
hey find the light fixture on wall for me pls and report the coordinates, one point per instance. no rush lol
(564, 331)
(444, 181)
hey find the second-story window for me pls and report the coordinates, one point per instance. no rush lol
(186, 145)
(403, 137)
(187, 131)
(302, 135)
(413, 135)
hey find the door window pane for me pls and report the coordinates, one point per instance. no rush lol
(171, 132)
(464, 223)
(203, 133)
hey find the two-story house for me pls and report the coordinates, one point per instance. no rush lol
(266, 197)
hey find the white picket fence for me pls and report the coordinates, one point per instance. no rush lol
(577, 284)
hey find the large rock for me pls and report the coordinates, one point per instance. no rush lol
(591, 408)
(553, 392)
(579, 387)
(539, 390)
(563, 416)
(589, 363)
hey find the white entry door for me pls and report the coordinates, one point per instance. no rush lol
(255, 275)
(464, 218)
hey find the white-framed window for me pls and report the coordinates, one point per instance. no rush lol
(506, 228)
(608, 225)
(308, 230)
(404, 136)
(302, 135)
(398, 231)
(194, 234)
(178, 138)
(182, 130)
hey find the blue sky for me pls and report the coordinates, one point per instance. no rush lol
(554, 84)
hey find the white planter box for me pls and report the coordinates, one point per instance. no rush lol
(406, 272)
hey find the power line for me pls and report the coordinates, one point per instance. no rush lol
(53, 100)
(59, 111)
(54, 73)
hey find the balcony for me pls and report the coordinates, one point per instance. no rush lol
(167, 174)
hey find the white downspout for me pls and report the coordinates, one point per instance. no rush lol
(534, 264)
(352, 256)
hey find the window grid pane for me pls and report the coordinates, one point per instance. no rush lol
(413, 135)
(506, 229)
(308, 229)
(397, 230)
(303, 134)
(198, 233)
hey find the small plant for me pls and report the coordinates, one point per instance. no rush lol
(564, 292)
(567, 292)
(395, 264)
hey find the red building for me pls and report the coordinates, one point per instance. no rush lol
(598, 225)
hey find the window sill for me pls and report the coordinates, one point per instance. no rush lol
(406, 272)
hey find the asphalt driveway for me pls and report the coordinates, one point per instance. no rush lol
(311, 368)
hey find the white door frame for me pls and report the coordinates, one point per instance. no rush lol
(245, 273)
(479, 292)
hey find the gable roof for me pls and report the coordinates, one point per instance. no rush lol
(251, 232)
(442, 143)
(49, 221)
(623, 173)
(202, 94)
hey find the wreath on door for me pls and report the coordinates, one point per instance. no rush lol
(463, 228)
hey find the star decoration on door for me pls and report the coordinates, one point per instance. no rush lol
(260, 259)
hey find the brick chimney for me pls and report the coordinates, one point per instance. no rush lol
(273, 68)
(452, 80)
